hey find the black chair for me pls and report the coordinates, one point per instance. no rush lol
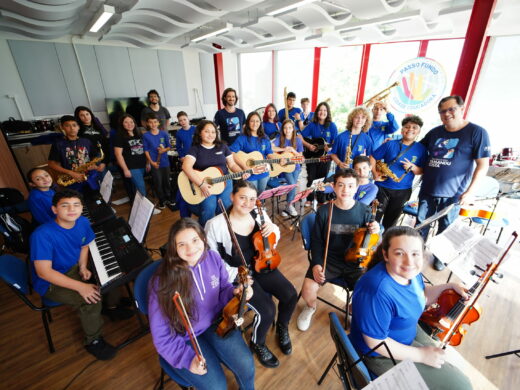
(353, 372)
(14, 273)
(306, 227)
(141, 301)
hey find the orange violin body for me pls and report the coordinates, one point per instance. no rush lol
(363, 247)
(439, 318)
(235, 308)
(486, 214)
(267, 259)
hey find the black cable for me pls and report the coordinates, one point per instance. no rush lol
(79, 373)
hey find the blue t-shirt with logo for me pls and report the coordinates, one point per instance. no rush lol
(450, 159)
(366, 193)
(383, 308)
(230, 124)
(272, 128)
(183, 140)
(315, 130)
(292, 111)
(151, 142)
(40, 203)
(416, 154)
(361, 144)
(380, 130)
(59, 245)
(250, 144)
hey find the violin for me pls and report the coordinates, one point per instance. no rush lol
(233, 312)
(446, 317)
(363, 243)
(267, 258)
(177, 300)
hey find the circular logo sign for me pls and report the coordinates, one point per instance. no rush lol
(421, 84)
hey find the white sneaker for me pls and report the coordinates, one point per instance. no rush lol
(305, 317)
(284, 214)
(156, 211)
(291, 211)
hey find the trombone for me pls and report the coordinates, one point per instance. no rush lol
(381, 95)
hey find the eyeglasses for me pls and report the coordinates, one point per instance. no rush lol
(451, 110)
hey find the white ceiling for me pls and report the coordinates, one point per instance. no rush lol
(174, 23)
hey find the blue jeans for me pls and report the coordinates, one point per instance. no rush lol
(209, 207)
(429, 205)
(138, 180)
(260, 184)
(292, 178)
(232, 351)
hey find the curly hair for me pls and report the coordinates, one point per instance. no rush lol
(356, 111)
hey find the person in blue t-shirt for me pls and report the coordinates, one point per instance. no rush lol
(306, 114)
(156, 144)
(230, 120)
(287, 142)
(59, 254)
(294, 112)
(355, 138)
(405, 158)
(253, 140)
(367, 191)
(386, 305)
(184, 136)
(321, 126)
(271, 122)
(458, 154)
(382, 129)
(40, 197)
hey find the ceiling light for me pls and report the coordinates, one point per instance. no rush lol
(289, 7)
(228, 27)
(101, 17)
(274, 43)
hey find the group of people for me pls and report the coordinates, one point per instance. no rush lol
(201, 261)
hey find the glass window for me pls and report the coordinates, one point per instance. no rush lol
(256, 72)
(447, 53)
(339, 75)
(294, 70)
(496, 96)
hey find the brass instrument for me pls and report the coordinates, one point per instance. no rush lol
(381, 95)
(348, 154)
(65, 180)
(386, 172)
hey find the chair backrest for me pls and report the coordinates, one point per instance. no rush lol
(141, 286)
(306, 227)
(357, 376)
(13, 271)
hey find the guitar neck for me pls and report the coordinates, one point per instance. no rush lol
(230, 176)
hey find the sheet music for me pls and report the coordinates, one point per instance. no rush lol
(140, 216)
(403, 376)
(456, 240)
(106, 187)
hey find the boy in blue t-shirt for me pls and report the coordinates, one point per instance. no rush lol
(40, 197)
(294, 112)
(366, 191)
(405, 158)
(155, 144)
(59, 254)
(184, 136)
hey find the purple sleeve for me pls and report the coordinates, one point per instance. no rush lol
(226, 288)
(170, 345)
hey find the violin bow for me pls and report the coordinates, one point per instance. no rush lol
(329, 223)
(177, 300)
(232, 233)
(484, 278)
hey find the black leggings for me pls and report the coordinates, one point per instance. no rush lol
(265, 285)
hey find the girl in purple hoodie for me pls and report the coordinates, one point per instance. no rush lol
(199, 275)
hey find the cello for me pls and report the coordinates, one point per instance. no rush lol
(446, 317)
(267, 257)
(233, 312)
(363, 243)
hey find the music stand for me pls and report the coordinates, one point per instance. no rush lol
(275, 193)
(299, 197)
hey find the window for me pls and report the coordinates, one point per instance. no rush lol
(339, 75)
(255, 80)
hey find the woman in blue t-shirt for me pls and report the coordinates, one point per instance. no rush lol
(271, 122)
(208, 150)
(288, 142)
(387, 303)
(253, 140)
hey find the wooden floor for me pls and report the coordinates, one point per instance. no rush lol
(25, 362)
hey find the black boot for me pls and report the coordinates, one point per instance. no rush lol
(283, 338)
(264, 355)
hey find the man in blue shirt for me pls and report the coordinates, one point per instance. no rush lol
(405, 158)
(230, 120)
(294, 112)
(458, 154)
